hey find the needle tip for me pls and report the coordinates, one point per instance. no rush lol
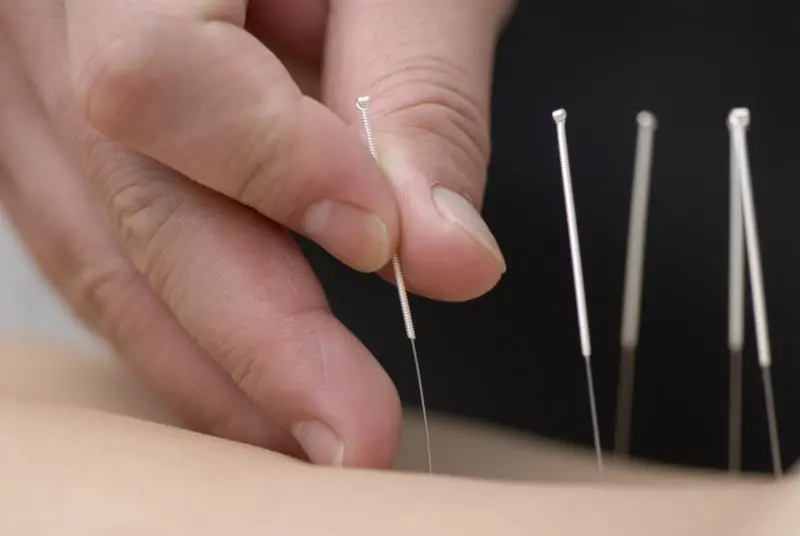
(560, 115)
(362, 103)
(646, 119)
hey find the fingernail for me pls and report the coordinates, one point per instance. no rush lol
(455, 208)
(320, 443)
(357, 237)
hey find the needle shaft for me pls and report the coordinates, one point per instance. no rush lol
(772, 421)
(736, 301)
(735, 413)
(634, 278)
(560, 118)
(739, 119)
(622, 432)
(595, 420)
(423, 405)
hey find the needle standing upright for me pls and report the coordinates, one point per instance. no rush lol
(560, 118)
(736, 319)
(634, 276)
(363, 107)
(740, 119)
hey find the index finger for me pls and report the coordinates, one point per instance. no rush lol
(184, 83)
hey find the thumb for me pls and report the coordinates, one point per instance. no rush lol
(427, 66)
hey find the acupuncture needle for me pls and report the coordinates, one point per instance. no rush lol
(560, 118)
(736, 319)
(634, 275)
(362, 103)
(740, 119)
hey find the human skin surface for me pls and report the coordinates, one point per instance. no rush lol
(85, 450)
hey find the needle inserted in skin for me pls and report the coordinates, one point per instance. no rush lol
(739, 119)
(363, 107)
(736, 320)
(634, 275)
(560, 117)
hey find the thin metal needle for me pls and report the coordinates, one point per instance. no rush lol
(422, 404)
(363, 107)
(598, 449)
(740, 119)
(772, 422)
(560, 118)
(736, 319)
(735, 412)
(634, 276)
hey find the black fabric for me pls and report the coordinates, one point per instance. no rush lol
(513, 357)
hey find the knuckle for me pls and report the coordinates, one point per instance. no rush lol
(143, 213)
(272, 179)
(105, 291)
(112, 83)
(246, 367)
(432, 102)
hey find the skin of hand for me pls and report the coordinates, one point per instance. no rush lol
(156, 153)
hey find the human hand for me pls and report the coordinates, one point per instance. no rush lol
(156, 152)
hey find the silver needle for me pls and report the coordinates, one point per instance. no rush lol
(363, 107)
(740, 119)
(560, 117)
(634, 275)
(736, 320)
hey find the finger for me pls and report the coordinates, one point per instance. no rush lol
(184, 83)
(246, 295)
(427, 67)
(70, 242)
(241, 287)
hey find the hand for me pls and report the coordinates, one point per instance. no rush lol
(155, 152)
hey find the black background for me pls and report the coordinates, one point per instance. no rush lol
(513, 356)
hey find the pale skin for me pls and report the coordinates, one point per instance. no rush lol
(87, 450)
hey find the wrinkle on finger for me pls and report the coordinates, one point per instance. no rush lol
(72, 245)
(240, 285)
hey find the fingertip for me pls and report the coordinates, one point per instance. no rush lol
(343, 408)
(369, 415)
(359, 238)
(376, 438)
(447, 251)
(462, 271)
(354, 214)
(458, 210)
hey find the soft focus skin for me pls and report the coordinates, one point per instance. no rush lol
(72, 464)
(154, 154)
